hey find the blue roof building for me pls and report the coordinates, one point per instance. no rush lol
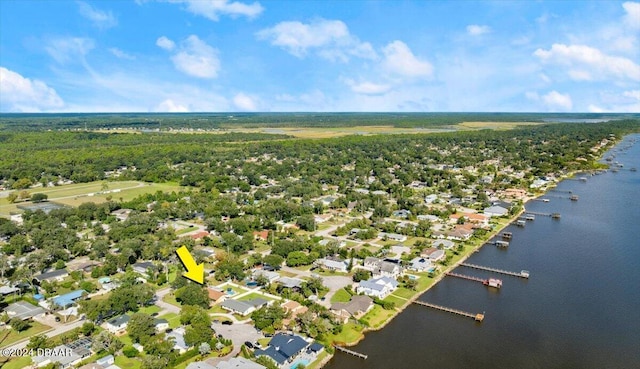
(68, 299)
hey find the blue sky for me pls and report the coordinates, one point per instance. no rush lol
(296, 55)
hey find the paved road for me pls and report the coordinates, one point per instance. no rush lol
(166, 307)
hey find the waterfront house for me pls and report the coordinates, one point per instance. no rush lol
(433, 254)
(495, 211)
(459, 233)
(356, 308)
(420, 264)
(380, 287)
(283, 348)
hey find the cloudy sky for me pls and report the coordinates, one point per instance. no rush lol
(296, 55)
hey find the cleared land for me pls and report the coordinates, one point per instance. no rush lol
(78, 193)
(494, 125)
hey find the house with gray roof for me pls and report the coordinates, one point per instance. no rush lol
(443, 244)
(178, 340)
(288, 282)
(380, 287)
(244, 308)
(54, 275)
(333, 263)
(23, 310)
(118, 324)
(356, 307)
(433, 254)
(236, 363)
(283, 348)
(495, 211)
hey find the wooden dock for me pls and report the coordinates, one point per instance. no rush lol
(491, 282)
(478, 317)
(522, 274)
(350, 352)
(552, 215)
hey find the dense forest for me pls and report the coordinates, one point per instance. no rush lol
(208, 121)
(228, 160)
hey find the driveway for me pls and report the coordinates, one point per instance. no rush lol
(335, 283)
(238, 333)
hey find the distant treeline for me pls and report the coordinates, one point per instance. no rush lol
(207, 121)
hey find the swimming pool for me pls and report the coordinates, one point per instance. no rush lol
(295, 364)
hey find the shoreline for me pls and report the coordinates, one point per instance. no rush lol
(467, 254)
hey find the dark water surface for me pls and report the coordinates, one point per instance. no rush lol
(579, 309)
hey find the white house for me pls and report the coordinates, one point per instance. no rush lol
(420, 264)
(118, 324)
(495, 211)
(392, 236)
(380, 287)
(381, 268)
(333, 263)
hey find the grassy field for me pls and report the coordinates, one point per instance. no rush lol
(14, 336)
(377, 316)
(78, 193)
(15, 362)
(341, 296)
(172, 318)
(494, 125)
(127, 363)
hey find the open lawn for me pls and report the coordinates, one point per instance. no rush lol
(255, 295)
(150, 309)
(14, 336)
(396, 300)
(78, 193)
(128, 363)
(341, 296)
(377, 316)
(351, 332)
(15, 362)
(172, 318)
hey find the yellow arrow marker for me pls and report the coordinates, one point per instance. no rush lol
(195, 272)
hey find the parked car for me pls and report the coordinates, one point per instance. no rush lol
(249, 344)
(227, 322)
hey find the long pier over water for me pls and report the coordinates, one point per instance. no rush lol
(478, 317)
(522, 274)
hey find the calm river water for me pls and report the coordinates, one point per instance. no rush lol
(580, 308)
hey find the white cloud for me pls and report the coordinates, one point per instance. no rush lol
(477, 30)
(169, 106)
(64, 50)
(244, 102)
(400, 60)
(165, 43)
(626, 102)
(331, 39)
(367, 88)
(195, 58)
(20, 94)
(556, 101)
(212, 9)
(632, 16)
(588, 63)
(100, 18)
(121, 54)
